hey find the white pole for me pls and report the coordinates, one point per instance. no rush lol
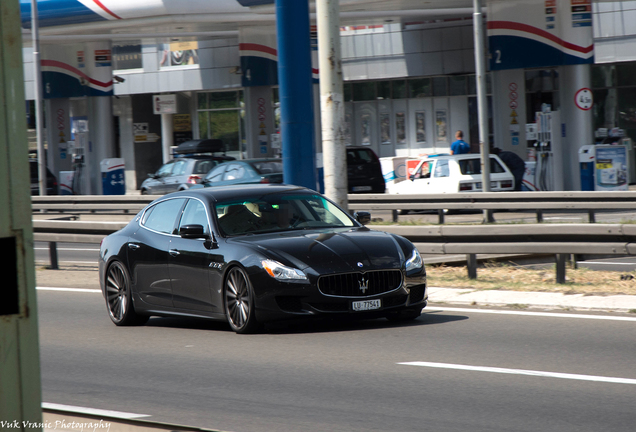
(37, 87)
(167, 136)
(482, 101)
(332, 101)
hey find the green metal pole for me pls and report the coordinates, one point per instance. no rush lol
(20, 388)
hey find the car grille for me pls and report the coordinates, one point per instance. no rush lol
(360, 284)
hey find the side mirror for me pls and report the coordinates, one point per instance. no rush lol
(363, 217)
(412, 177)
(193, 232)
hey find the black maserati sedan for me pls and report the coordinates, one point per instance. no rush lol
(250, 254)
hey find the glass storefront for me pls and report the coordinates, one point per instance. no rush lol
(614, 88)
(221, 115)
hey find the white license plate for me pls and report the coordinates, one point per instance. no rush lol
(366, 305)
(361, 188)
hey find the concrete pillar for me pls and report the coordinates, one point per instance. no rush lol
(577, 119)
(167, 136)
(101, 140)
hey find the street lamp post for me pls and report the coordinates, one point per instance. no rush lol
(37, 91)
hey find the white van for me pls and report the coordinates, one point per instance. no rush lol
(454, 173)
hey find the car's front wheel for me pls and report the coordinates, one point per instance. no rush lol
(119, 297)
(239, 302)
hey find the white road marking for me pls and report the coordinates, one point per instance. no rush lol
(522, 372)
(92, 411)
(606, 262)
(534, 314)
(84, 290)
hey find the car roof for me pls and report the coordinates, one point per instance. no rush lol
(213, 157)
(258, 160)
(457, 156)
(220, 193)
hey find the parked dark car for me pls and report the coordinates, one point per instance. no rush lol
(254, 254)
(193, 160)
(51, 180)
(245, 171)
(364, 173)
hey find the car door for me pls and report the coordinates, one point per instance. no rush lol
(177, 176)
(148, 255)
(190, 260)
(420, 179)
(441, 180)
(215, 176)
(157, 183)
(234, 173)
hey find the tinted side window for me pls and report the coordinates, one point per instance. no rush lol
(268, 167)
(495, 167)
(195, 214)
(473, 166)
(234, 172)
(441, 169)
(165, 170)
(216, 174)
(359, 156)
(163, 216)
(180, 167)
(470, 166)
(203, 166)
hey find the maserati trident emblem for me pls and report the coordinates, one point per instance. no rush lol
(363, 283)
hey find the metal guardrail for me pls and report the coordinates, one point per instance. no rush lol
(91, 203)
(557, 239)
(536, 202)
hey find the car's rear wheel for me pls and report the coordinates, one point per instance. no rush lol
(239, 302)
(119, 297)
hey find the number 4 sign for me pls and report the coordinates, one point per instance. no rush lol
(584, 99)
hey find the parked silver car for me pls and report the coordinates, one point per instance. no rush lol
(193, 160)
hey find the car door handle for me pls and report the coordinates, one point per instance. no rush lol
(174, 252)
(133, 246)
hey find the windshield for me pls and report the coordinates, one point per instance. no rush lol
(279, 212)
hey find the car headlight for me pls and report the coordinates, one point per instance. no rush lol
(283, 273)
(415, 261)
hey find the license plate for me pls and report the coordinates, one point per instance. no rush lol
(361, 188)
(366, 305)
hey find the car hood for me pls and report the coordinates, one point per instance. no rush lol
(330, 251)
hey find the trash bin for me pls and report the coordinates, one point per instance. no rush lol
(113, 177)
(66, 182)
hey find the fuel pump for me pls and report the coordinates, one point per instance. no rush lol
(79, 161)
(548, 150)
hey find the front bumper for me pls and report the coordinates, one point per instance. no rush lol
(286, 300)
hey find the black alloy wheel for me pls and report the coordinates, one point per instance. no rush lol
(119, 297)
(239, 302)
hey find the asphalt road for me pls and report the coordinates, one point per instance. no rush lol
(553, 374)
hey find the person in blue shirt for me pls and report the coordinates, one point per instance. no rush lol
(460, 146)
